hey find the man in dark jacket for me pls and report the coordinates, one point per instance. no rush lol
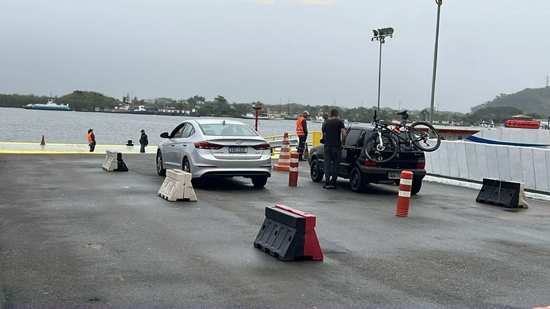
(143, 141)
(334, 132)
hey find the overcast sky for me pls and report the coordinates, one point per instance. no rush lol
(306, 51)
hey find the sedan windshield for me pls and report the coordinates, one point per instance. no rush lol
(226, 129)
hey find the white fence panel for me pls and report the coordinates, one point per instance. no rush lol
(516, 173)
(473, 161)
(528, 167)
(539, 163)
(503, 162)
(492, 163)
(453, 160)
(461, 160)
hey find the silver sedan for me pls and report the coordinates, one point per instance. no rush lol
(215, 148)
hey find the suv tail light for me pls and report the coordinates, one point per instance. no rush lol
(370, 163)
(207, 145)
(420, 165)
(265, 146)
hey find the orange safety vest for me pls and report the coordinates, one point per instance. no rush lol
(300, 126)
(90, 139)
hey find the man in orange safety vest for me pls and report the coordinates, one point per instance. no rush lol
(301, 131)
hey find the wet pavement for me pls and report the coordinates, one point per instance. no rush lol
(74, 235)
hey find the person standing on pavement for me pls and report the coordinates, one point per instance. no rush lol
(301, 131)
(334, 132)
(91, 140)
(143, 141)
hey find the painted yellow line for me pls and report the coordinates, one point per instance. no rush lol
(49, 152)
(57, 152)
(58, 144)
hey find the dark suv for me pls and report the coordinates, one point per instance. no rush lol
(356, 167)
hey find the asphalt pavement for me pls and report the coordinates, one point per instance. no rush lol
(73, 235)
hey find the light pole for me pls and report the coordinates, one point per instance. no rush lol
(380, 35)
(439, 3)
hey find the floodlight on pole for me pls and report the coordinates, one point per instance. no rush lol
(434, 76)
(380, 35)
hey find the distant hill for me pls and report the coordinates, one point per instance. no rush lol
(87, 100)
(529, 101)
(18, 100)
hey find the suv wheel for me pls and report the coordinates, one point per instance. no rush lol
(161, 171)
(315, 171)
(259, 181)
(356, 182)
(416, 186)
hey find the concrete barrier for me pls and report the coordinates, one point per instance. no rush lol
(113, 162)
(474, 162)
(507, 194)
(177, 186)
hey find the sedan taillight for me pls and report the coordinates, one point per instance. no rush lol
(262, 147)
(207, 145)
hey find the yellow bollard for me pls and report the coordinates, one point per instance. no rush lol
(316, 138)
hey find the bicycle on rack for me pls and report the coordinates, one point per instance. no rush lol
(383, 145)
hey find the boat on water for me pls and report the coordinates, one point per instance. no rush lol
(50, 106)
(252, 116)
(520, 137)
(520, 131)
(522, 122)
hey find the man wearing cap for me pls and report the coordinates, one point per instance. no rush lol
(143, 141)
(301, 131)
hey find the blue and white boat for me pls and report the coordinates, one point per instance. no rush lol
(512, 137)
(50, 106)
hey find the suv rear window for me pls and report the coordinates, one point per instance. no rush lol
(353, 137)
(227, 129)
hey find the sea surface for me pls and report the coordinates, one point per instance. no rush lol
(21, 125)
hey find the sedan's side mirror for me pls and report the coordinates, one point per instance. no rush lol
(165, 135)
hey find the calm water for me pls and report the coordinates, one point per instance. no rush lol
(17, 124)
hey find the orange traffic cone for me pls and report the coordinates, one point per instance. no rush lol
(404, 196)
(283, 164)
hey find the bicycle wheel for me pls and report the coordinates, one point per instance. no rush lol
(381, 153)
(424, 136)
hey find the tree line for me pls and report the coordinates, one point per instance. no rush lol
(219, 106)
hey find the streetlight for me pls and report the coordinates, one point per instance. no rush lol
(380, 35)
(439, 3)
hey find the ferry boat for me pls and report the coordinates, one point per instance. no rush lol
(522, 122)
(50, 106)
(260, 117)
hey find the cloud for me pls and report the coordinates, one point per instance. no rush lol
(265, 2)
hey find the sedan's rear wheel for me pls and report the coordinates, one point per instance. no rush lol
(161, 171)
(186, 166)
(259, 181)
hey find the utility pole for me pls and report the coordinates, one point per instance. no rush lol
(439, 3)
(380, 35)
